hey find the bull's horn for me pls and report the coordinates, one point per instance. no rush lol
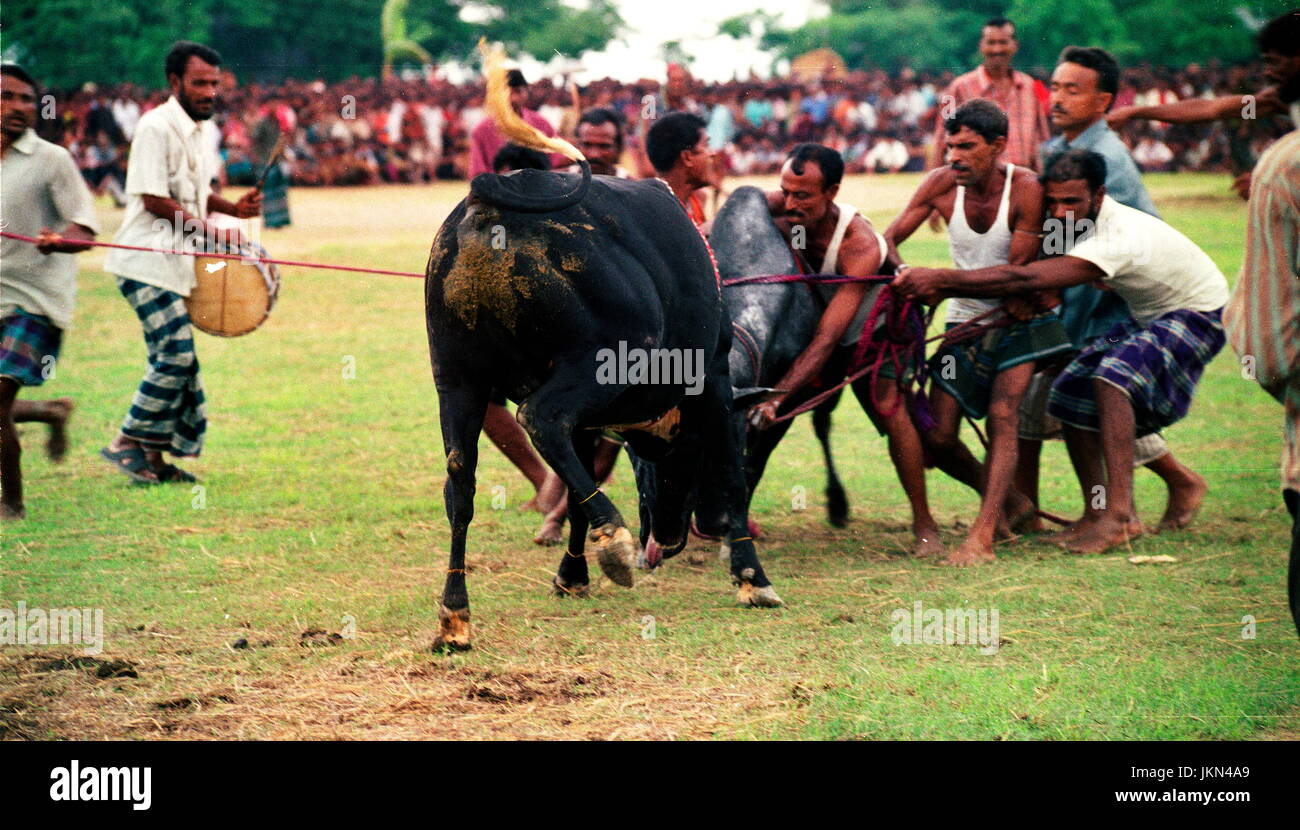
(489, 186)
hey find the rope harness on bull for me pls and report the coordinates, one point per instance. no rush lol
(900, 344)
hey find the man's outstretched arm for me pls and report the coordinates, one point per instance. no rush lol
(1197, 110)
(930, 285)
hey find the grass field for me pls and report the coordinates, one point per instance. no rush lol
(322, 511)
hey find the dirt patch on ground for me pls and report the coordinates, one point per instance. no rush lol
(335, 695)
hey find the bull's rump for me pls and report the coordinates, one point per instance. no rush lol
(510, 292)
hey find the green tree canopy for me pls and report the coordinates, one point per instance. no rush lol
(943, 34)
(69, 42)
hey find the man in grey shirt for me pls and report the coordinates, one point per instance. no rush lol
(42, 195)
(1083, 87)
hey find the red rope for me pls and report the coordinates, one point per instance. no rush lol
(241, 257)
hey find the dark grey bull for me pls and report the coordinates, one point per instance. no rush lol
(530, 278)
(772, 324)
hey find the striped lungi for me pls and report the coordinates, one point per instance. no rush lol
(1157, 365)
(167, 412)
(275, 198)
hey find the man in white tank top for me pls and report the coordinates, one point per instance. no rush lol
(842, 242)
(994, 213)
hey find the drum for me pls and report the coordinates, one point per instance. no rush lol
(232, 297)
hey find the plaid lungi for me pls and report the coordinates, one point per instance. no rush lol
(966, 370)
(29, 347)
(167, 412)
(1157, 365)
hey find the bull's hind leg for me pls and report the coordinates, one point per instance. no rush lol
(461, 411)
(837, 504)
(571, 579)
(551, 415)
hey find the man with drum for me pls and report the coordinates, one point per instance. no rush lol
(168, 185)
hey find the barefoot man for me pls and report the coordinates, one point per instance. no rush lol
(42, 194)
(994, 213)
(1083, 86)
(1140, 376)
(834, 234)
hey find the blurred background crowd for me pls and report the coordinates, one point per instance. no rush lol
(367, 131)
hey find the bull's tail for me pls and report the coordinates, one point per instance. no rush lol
(489, 186)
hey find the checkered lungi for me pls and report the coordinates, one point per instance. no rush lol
(1157, 365)
(29, 347)
(167, 412)
(966, 370)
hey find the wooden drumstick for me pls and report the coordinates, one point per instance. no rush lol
(276, 151)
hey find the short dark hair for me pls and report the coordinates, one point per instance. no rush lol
(670, 136)
(21, 74)
(1076, 164)
(518, 157)
(178, 57)
(982, 116)
(998, 23)
(600, 115)
(1099, 61)
(515, 79)
(830, 162)
(1281, 34)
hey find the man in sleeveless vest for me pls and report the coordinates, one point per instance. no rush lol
(994, 213)
(834, 234)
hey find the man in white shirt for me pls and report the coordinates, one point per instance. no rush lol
(168, 183)
(889, 155)
(42, 195)
(1139, 377)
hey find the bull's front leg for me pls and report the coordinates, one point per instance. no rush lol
(461, 412)
(753, 587)
(551, 415)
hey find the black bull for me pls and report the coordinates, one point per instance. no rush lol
(529, 279)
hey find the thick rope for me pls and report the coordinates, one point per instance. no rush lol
(240, 257)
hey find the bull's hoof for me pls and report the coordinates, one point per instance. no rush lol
(616, 552)
(577, 591)
(751, 596)
(837, 507)
(453, 630)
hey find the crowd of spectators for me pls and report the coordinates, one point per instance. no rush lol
(366, 131)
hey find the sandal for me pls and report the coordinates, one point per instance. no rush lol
(171, 474)
(131, 463)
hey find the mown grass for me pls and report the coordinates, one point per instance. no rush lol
(322, 510)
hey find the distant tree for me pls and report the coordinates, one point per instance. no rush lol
(69, 42)
(399, 45)
(943, 34)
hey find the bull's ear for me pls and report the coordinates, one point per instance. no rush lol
(751, 396)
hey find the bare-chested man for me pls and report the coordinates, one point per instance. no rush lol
(994, 213)
(835, 235)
